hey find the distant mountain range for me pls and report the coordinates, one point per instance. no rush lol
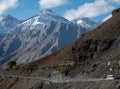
(39, 36)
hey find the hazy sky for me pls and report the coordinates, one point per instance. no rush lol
(98, 10)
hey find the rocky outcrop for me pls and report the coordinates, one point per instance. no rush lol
(116, 11)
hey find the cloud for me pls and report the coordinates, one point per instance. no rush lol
(93, 9)
(6, 5)
(116, 1)
(51, 3)
(106, 18)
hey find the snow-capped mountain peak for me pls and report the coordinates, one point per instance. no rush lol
(85, 22)
(51, 16)
(45, 17)
(47, 11)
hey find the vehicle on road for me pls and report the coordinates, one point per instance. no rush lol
(112, 77)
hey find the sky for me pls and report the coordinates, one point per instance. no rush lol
(97, 10)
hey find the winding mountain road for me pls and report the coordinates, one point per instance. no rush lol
(67, 80)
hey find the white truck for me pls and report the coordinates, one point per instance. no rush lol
(112, 77)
